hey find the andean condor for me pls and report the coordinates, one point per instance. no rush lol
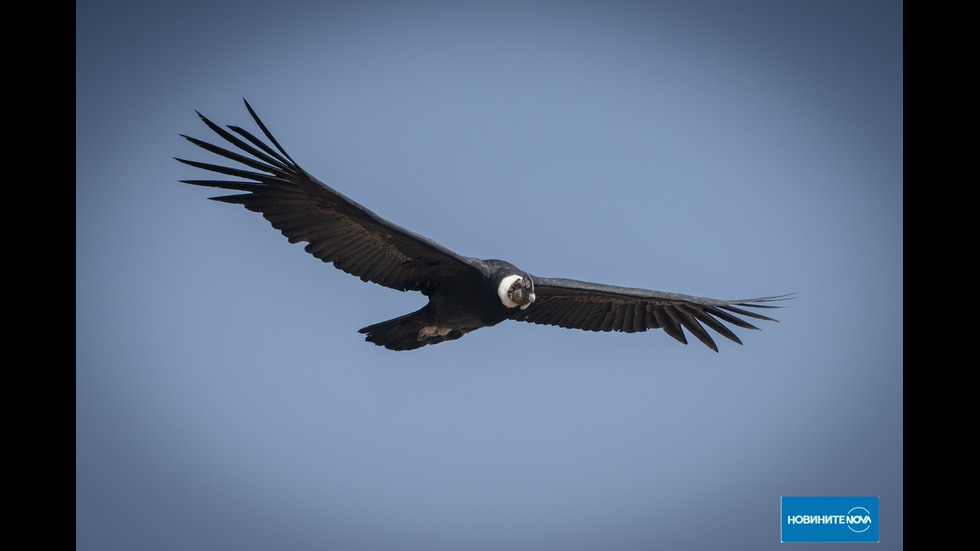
(464, 293)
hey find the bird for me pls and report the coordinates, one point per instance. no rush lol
(464, 294)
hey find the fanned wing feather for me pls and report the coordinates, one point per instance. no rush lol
(335, 228)
(595, 307)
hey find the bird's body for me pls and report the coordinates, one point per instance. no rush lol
(464, 293)
(454, 309)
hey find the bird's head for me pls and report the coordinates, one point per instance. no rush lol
(516, 291)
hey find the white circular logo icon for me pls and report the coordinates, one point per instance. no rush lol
(858, 519)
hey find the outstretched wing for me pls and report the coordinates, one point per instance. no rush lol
(594, 307)
(336, 229)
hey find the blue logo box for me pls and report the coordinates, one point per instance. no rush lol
(829, 519)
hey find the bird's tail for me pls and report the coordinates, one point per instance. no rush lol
(409, 332)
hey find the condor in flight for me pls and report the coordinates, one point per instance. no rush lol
(464, 293)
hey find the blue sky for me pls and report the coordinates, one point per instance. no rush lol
(224, 398)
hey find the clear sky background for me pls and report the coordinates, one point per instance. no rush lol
(224, 399)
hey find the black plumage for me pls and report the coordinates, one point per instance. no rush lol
(464, 293)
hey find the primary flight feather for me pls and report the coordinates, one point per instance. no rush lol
(464, 293)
